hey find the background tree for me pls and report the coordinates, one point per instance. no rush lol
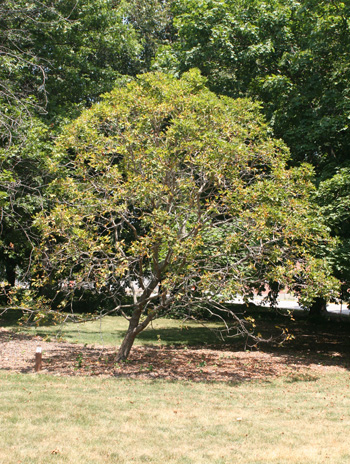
(24, 141)
(86, 53)
(292, 56)
(152, 22)
(22, 73)
(182, 199)
(333, 197)
(24, 175)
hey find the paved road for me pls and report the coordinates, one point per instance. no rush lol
(293, 304)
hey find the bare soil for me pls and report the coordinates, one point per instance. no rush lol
(313, 350)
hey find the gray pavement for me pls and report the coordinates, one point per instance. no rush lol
(288, 302)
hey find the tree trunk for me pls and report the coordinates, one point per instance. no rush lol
(133, 329)
(11, 272)
(10, 268)
(318, 307)
(125, 347)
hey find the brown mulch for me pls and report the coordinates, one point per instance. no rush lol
(17, 353)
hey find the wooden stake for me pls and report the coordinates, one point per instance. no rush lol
(38, 359)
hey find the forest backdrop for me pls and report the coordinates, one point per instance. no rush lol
(290, 57)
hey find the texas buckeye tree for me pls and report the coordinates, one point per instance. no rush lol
(170, 198)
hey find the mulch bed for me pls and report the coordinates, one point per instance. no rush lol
(307, 354)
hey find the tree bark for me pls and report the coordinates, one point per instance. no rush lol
(135, 327)
(130, 336)
(318, 307)
(11, 272)
(125, 347)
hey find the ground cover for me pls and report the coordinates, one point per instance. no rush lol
(174, 349)
(291, 419)
(179, 403)
(110, 330)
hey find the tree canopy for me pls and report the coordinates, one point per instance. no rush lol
(181, 198)
(58, 58)
(55, 59)
(291, 55)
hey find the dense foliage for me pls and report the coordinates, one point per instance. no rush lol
(57, 58)
(294, 56)
(180, 198)
(291, 55)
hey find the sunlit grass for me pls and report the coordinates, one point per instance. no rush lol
(47, 419)
(298, 419)
(109, 331)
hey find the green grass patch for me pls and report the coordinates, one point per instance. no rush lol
(47, 419)
(110, 330)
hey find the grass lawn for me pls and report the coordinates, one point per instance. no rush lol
(46, 419)
(109, 331)
(302, 417)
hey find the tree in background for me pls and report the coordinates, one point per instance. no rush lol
(22, 72)
(64, 54)
(152, 22)
(293, 56)
(333, 197)
(24, 174)
(180, 198)
(24, 139)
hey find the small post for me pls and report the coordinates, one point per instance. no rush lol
(38, 359)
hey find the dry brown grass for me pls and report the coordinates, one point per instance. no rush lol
(294, 419)
(290, 405)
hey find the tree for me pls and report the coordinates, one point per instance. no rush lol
(22, 72)
(55, 57)
(152, 22)
(23, 177)
(333, 197)
(22, 101)
(86, 53)
(293, 56)
(179, 198)
(54, 60)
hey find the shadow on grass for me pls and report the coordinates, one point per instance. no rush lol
(324, 342)
(194, 336)
(182, 336)
(10, 318)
